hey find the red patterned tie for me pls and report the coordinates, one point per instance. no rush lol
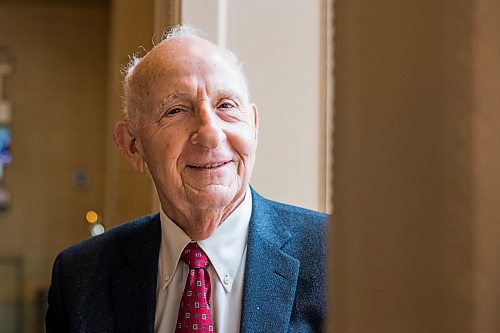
(194, 310)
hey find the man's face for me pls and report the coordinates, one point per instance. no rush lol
(196, 130)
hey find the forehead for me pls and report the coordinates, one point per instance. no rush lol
(183, 62)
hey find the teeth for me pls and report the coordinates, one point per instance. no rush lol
(208, 166)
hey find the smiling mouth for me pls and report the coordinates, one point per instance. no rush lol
(209, 165)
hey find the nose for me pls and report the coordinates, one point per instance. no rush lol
(208, 132)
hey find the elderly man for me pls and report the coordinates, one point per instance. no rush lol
(218, 257)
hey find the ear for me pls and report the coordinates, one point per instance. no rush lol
(126, 140)
(255, 117)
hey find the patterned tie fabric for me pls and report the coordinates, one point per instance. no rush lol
(194, 310)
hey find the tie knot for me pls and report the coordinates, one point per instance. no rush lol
(194, 256)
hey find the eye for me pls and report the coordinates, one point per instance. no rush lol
(172, 111)
(227, 105)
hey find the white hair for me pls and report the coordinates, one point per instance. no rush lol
(131, 101)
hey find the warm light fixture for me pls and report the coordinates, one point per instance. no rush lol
(91, 216)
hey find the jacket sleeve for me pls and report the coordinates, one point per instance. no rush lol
(55, 320)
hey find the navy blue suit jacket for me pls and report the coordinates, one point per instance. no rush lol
(108, 283)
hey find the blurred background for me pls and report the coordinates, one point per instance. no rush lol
(384, 113)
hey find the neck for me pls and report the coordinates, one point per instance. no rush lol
(200, 223)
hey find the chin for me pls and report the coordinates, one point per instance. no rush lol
(212, 196)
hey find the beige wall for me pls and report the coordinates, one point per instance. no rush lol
(58, 90)
(415, 236)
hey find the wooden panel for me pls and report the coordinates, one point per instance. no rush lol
(402, 240)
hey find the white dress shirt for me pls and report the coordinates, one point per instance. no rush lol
(226, 249)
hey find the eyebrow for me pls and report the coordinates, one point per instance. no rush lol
(173, 97)
(223, 93)
(231, 94)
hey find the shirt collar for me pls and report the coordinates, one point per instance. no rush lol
(173, 242)
(225, 247)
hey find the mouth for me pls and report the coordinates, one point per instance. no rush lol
(208, 166)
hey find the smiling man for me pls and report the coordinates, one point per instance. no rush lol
(218, 256)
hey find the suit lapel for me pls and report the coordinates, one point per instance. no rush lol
(270, 274)
(134, 284)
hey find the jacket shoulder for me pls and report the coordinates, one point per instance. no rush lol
(81, 274)
(116, 235)
(299, 214)
(101, 250)
(293, 216)
(307, 229)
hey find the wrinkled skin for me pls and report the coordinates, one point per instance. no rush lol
(195, 130)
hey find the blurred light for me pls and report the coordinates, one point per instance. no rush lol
(91, 216)
(97, 229)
